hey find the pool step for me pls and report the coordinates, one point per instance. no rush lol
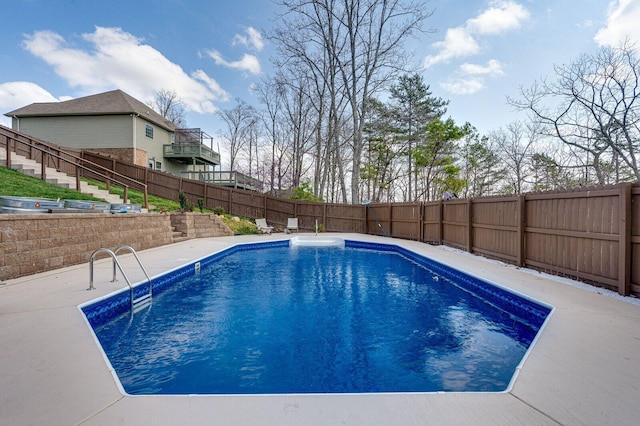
(141, 302)
(177, 236)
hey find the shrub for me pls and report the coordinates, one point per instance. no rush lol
(185, 206)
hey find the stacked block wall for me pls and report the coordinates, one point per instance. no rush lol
(37, 243)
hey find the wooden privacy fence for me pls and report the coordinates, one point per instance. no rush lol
(330, 217)
(591, 234)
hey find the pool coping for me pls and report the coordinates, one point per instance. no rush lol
(583, 367)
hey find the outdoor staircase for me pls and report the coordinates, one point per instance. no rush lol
(178, 236)
(33, 169)
(189, 225)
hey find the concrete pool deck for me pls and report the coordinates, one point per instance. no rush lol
(584, 368)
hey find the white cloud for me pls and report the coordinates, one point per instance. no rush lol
(256, 38)
(253, 39)
(622, 23)
(493, 68)
(462, 86)
(457, 43)
(248, 63)
(16, 94)
(586, 24)
(471, 78)
(501, 16)
(117, 59)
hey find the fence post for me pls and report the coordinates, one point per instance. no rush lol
(521, 223)
(421, 223)
(324, 217)
(366, 219)
(265, 206)
(43, 166)
(469, 225)
(77, 179)
(440, 221)
(9, 152)
(205, 194)
(624, 240)
(390, 220)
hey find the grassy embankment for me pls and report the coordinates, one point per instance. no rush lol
(15, 184)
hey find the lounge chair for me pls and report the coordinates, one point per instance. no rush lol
(292, 223)
(263, 228)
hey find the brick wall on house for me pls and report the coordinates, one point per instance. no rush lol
(124, 154)
(31, 244)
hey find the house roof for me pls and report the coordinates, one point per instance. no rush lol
(115, 102)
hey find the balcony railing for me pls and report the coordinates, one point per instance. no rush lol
(229, 179)
(191, 153)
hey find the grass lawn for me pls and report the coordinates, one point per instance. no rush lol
(15, 184)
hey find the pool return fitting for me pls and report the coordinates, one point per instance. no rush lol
(136, 304)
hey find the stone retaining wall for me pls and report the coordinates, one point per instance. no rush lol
(36, 243)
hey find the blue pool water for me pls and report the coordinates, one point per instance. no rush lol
(364, 318)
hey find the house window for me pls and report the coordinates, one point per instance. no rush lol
(148, 131)
(158, 165)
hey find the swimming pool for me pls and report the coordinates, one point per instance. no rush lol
(363, 318)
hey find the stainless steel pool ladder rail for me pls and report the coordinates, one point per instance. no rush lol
(138, 303)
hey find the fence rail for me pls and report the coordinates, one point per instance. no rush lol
(592, 234)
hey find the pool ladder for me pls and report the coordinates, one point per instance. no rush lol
(136, 304)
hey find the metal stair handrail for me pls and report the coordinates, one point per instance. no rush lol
(12, 135)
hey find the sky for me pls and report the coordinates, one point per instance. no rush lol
(211, 52)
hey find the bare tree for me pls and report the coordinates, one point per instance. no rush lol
(270, 95)
(515, 146)
(593, 105)
(252, 152)
(310, 76)
(361, 45)
(239, 120)
(170, 106)
(300, 124)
